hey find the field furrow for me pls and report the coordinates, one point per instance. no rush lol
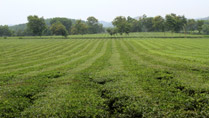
(42, 57)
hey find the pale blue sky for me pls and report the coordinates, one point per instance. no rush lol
(16, 11)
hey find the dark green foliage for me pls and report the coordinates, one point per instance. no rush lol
(147, 24)
(172, 22)
(59, 29)
(12, 107)
(20, 30)
(158, 24)
(205, 29)
(175, 23)
(191, 25)
(93, 25)
(25, 93)
(5, 31)
(19, 27)
(160, 75)
(121, 24)
(79, 28)
(200, 23)
(135, 25)
(47, 31)
(20, 98)
(111, 31)
(66, 22)
(36, 25)
(51, 74)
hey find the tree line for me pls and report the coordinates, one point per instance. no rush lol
(38, 26)
(5, 31)
(171, 22)
(63, 26)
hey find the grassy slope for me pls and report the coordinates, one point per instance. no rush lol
(104, 78)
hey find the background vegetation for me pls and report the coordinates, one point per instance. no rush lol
(122, 25)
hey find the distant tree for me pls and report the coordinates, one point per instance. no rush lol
(200, 23)
(182, 23)
(175, 23)
(100, 28)
(47, 31)
(36, 25)
(121, 24)
(65, 21)
(171, 22)
(111, 31)
(19, 32)
(147, 25)
(27, 32)
(135, 25)
(206, 22)
(5, 31)
(158, 24)
(205, 29)
(191, 25)
(18, 28)
(59, 29)
(79, 28)
(93, 25)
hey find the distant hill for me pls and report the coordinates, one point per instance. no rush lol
(23, 26)
(206, 18)
(106, 24)
(18, 27)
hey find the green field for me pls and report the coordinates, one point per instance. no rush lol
(107, 36)
(92, 78)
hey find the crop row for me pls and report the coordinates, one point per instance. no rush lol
(104, 78)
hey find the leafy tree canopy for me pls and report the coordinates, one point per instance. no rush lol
(121, 24)
(5, 31)
(111, 31)
(59, 29)
(36, 25)
(158, 24)
(175, 23)
(93, 25)
(65, 21)
(79, 28)
(200, 23)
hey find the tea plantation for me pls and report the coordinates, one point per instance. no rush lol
(101, 78)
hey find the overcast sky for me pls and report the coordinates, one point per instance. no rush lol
(16, 11)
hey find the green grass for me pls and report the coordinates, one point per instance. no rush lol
(107, 36)
(129, 77)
